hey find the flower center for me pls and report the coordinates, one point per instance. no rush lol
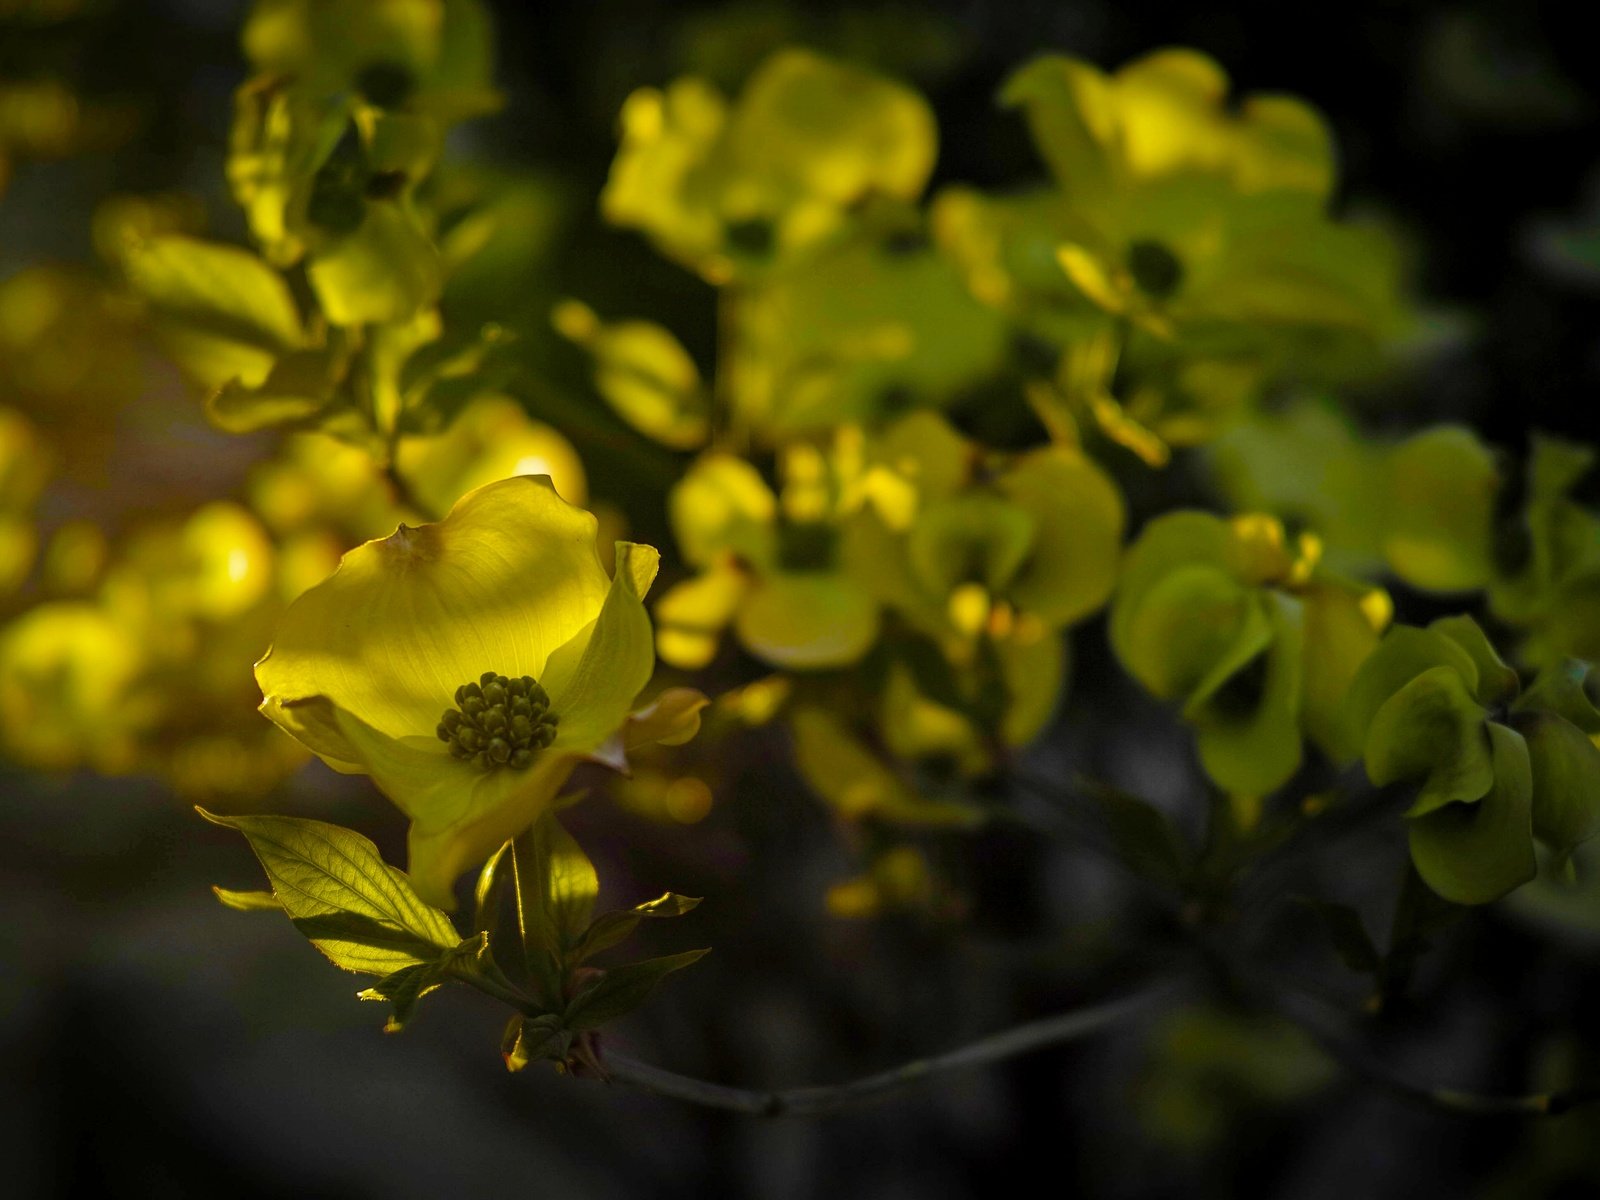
(498, 722)
(1155, 269)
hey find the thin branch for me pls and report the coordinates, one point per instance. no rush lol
(816, 1101)
(1317, 1019)
(401, 491)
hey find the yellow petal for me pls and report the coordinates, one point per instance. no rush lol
(691, 616)
(808, 620)
(722, 505)
(671, 719)
(594, 678)
(506, 578)
(1078, 518)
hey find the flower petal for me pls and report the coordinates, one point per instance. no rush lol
(808, 620)
(594, 678)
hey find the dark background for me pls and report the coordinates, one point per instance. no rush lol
(154, 1044)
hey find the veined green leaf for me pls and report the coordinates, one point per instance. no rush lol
(556, 887)
(622, 989)
(608, 929)
(332, 883)
(405, 987)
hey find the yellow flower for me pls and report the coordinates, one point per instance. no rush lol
(768, 565)
(1180, 214)
(470, 665)
(732, 190)
(958, 542)
(1236, 623)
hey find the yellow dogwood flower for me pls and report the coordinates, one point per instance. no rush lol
(768, 564)
(732, 190)
(470, 665)
(1181, 213)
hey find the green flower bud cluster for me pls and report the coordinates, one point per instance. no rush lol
(499, 722)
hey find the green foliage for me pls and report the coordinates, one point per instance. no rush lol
(365, 916)
(331, 882)
(548, 887)
(1214, 615)
(1430, 708)
(899, 456)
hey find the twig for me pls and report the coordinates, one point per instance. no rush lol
(401, 491)
(816, 1101)
(1313, 1017)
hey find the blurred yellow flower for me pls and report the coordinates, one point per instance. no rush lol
(1181, 212)
(733, 191)
(469, 666)
(778, 581)
(1233, 620)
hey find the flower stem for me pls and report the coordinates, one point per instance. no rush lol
(816, 1101)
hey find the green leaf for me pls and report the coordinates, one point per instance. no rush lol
(222, 289)
(1560, 689)
(857, 783)
(643, 372)
(1476, 853)
(622, 989)
(1191, 630)
(385, 271)
(556, 888)
(1441, 488)
(1144, 836)
(1497, 683)
(359, 911)
(1348, 934)
(1404, 653)
(1248, 731)
(1566, 782)
(616, 926)
(496, 876)
(300, 387)
(248, 901)
(405, 987)
(528, 1039)
(1433, 730)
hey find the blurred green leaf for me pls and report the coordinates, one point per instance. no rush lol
(221, 289)
(1432, 730)
(1566, 782)
(1476, 853)
(1561, 688)
(1144, 836)
(1347, 933)
(1497, 683)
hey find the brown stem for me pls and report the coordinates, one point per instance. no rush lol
(816, 1101)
